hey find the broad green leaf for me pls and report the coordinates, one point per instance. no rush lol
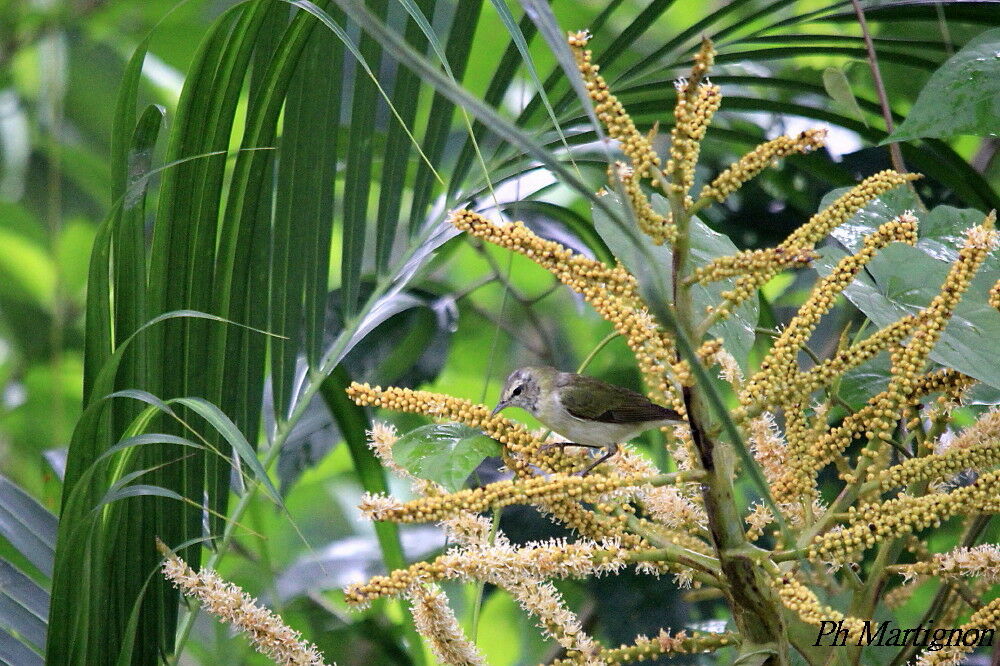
(444, 453)
(982, 394)
(737, 331)
(407, 348)
(907, 279)
(961, 97)
(940, 233)
(868, 379)
(903, 279)
(839, 89)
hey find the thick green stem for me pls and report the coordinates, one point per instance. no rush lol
(757, 611)
(477, 603)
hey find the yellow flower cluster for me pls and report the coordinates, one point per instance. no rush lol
(591, 524)
(704, 58)
(826, 447)
(757, 267)
(611, 291)
(994, 295)
(685, 539)
(780, 366)
(986, 618)
(381, 439)
(436, 622)
(823, 374)
(901, 595)
(681, 642)
(729, 369)
(708, 350)
(627, 512)
(397, 583)
(803, 602)
(976, 448)
(542, 600)
(901, 516)
(504, 493)
(758, 519)
(908, 362)
(519, 445)
(795, 479)
(611, 113)
(758, 159)
(822, 223)
(751, 261)
(228, 602)
(644, 162)
(768, 447)
(906, 385)
(660, 228)
(697, 102)
(668, 506)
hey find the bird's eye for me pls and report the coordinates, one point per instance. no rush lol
(516, 391)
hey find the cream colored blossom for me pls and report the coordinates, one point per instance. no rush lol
(768, 446)
(499, 563)
(758, 518)
(436, 622)
(668, 506)
(982, 561)
(542, 600)
(376, 506)
(469, 529)
(267, 632)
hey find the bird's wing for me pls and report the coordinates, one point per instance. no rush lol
(594, 400)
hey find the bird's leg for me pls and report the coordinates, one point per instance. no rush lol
(612, 450)
(563, 445)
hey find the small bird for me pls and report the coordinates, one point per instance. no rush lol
(589, 412)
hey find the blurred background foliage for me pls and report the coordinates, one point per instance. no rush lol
(357, 218)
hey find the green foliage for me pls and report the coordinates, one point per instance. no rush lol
(902, 279)
(838, 87)
(738, 330)
(446, 454)
(961, 96)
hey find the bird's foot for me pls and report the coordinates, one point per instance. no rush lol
(563, 445)
(612, 450)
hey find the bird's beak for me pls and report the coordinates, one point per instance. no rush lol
(496, 410)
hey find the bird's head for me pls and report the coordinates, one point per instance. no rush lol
(524, 386)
